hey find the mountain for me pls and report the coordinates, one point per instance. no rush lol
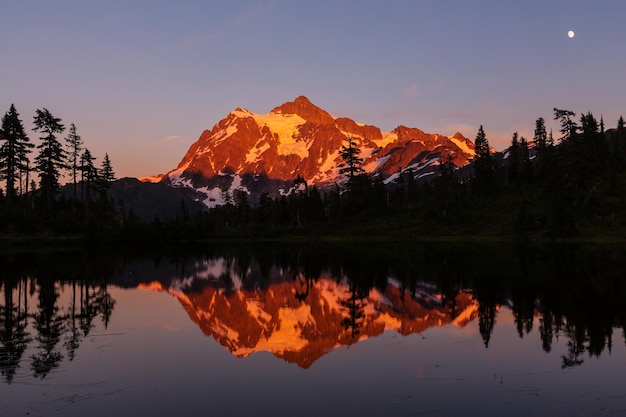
(149, 201)
(302, 320)
(260, 153)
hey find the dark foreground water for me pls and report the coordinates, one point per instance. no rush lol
(366, 330)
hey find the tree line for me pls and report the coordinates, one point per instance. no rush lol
(540, 187)
(27, 205)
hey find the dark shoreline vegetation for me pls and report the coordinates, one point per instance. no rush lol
(535, 191)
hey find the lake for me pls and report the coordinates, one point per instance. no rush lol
(367, 329)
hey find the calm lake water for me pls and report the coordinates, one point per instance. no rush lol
(364, 330)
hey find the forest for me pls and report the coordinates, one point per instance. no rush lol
(539, 188)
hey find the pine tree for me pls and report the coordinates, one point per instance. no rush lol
(514, 159)
(88, 174)
(52, 158)
(106, 175)
(526, 173)
(569, 128)
(14, 149)
(74, 145)
(619, 142)
(541, 136)
(351, 164)
(484, 165)
(542, 146)
(593, 143)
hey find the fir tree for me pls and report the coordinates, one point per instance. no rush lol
(351, 164)
(484, 165)
(88, 174)
(14, 149)
(526, 173)
(514, 159)
(619, 142)
(569, 128)
(542, 146)
(74, 145)
(106, 175)
(52, 158)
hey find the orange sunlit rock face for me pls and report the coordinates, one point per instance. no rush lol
(301, 139)
(300, 322)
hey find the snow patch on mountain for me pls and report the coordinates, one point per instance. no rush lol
(462, 146)
(255, 152)
(286, 126)
(387, 139)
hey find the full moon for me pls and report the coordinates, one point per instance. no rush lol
(570, 34)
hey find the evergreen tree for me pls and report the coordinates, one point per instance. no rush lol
(484, 165)
(106, 175)
(514, 159)
(351, 164)
(526, 173)
(74, 145)
(542, 146)
(541, 136)
(594, 145)
(88, 174)
(14, 149)
(619, 142)
(569, 128)
(51, 159)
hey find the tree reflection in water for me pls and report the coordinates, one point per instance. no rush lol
(43, 276)
(573, 292)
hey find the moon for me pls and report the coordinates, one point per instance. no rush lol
(570, 34)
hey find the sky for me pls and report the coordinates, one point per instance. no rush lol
(141, 80)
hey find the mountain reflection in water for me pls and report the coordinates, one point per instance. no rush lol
(300, 304)
(301, 320)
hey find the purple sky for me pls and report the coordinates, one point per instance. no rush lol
(142, 79)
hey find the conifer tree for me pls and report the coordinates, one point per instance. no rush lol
(593, 143)
(52, 158)
(541, 136)
(526, 173)
(514, 159)
(351, 164)
(88, 174)
(542, 146)
(484, 165)
(619, 141)
(569, 128)
(75, 146)
(106, 175)
(14, 149)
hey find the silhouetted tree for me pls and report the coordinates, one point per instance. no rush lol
(526, 173)
(88, 174)
(569, 128)
(514, 159)
(51, 159)
(74, 145)
(14, 149)
(619, 142)
(106, 176)
(484, 165)
(351, 162)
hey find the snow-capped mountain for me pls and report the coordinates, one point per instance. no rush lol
(260, 153)
(300, 320)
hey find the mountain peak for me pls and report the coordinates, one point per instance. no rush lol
(303, 107)
(264, 153)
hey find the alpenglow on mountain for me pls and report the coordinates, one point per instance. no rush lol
(265, 153)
